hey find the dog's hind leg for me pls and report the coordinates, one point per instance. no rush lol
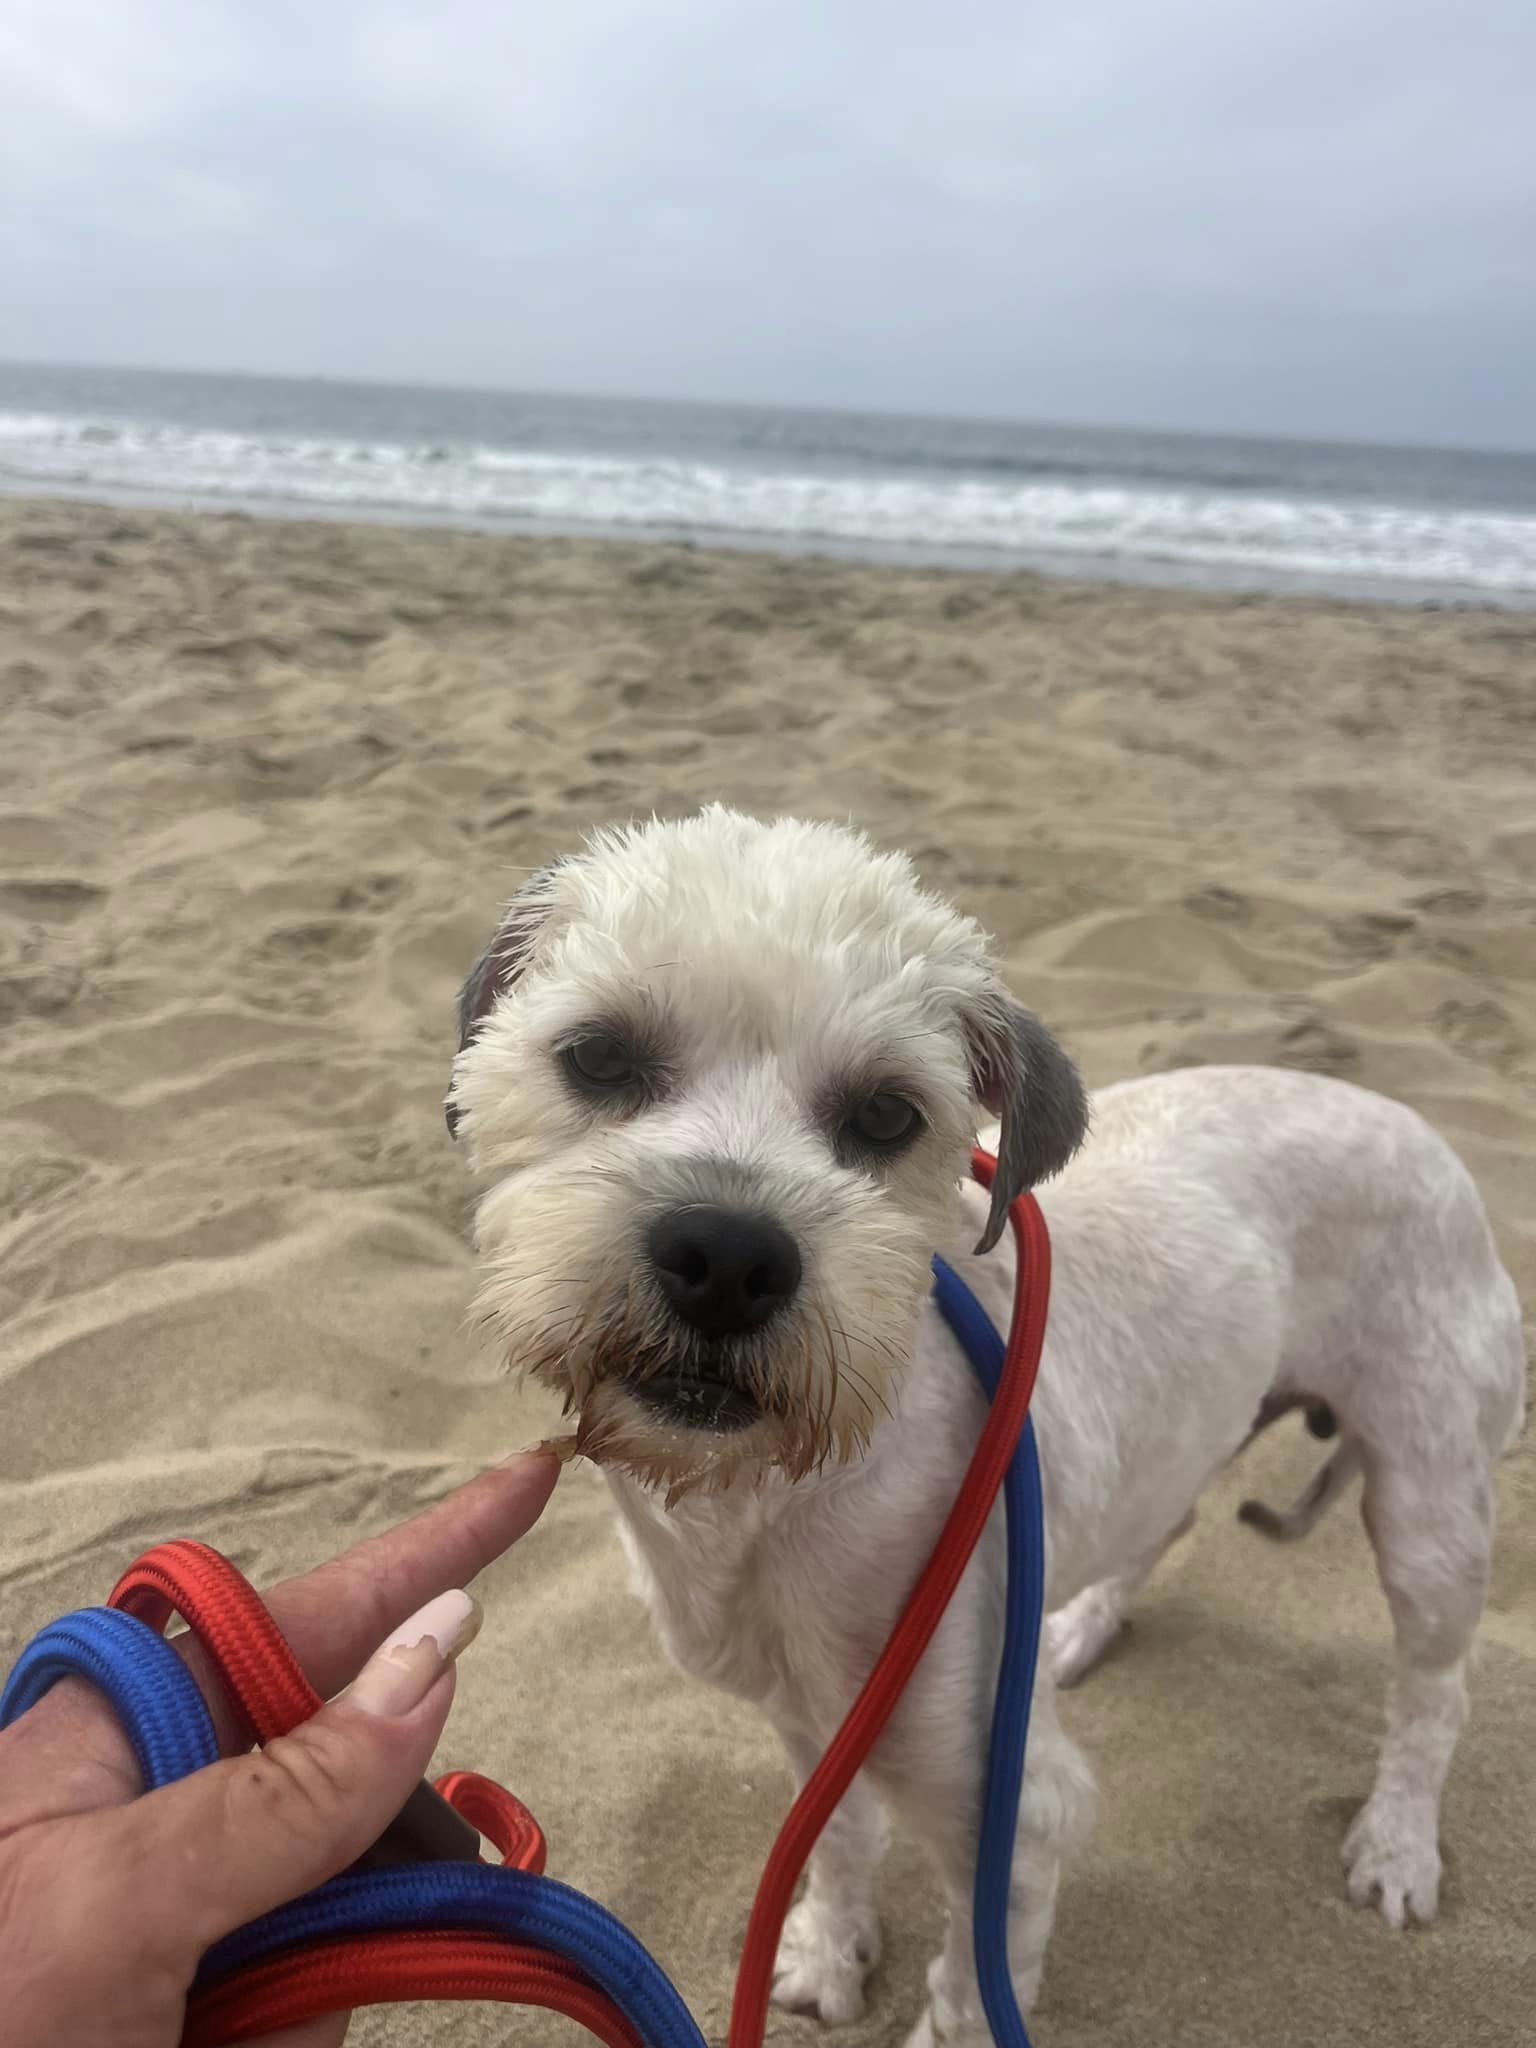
(1429, 1513)
(831, 1938)
(1078, 1634)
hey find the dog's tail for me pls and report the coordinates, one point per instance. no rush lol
(1288, 1525)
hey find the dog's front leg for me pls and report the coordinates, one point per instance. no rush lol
(831, 1939)
(1054, 1813)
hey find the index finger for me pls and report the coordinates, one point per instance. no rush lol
(68, 1753)
(335, 1616)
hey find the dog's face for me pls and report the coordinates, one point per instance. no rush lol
(724, 1077)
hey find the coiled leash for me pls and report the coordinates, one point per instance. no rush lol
(422, 1917)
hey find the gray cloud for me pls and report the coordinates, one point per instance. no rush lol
(1320, 218)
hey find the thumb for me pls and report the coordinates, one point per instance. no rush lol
(246, 1835)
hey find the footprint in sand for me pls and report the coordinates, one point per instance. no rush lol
(1482, 1031)
(28, 1185)
(1219, 904)
(602, 792)
(370, 893)
(322, 942)
(1317, 1047)
(43, 993)
(1371, 934)
(514, 814)
(48, 902)
(1393, 836)
(1452, 902)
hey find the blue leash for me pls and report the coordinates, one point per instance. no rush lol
(148, 1687)
(1024, 1616)
(164, 1716)
(490, 1900)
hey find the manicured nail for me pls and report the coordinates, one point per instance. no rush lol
(403, 1670)
(558, 1448)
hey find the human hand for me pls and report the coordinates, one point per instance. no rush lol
(108, 1899)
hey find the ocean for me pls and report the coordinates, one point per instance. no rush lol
(1215, 510)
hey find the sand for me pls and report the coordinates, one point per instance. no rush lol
(261, 788)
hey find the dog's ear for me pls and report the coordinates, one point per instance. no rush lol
(1021, 1076)
(502, 962)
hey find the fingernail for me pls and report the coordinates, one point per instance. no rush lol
(546, 1447)
(403, 1670)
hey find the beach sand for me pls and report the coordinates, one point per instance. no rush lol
(262, 788)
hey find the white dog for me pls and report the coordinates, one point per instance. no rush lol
(721, 1078)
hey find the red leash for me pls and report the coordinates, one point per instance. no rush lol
(914, 1630)
(398, 1969)
(264, 1682)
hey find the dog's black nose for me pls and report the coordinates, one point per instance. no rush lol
(724, 1271)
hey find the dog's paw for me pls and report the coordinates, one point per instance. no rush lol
(953, 2017)
(1077, 1635)
(1393, 1860)
(929, 2033)
(824, 1962)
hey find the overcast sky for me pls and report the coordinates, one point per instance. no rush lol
(1295, 215)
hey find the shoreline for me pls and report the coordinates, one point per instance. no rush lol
(1065, 565)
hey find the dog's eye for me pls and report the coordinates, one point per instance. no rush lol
(883, 1122)
(600, 1063)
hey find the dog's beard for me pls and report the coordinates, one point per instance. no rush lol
(811, 1402)
(568, 1302)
